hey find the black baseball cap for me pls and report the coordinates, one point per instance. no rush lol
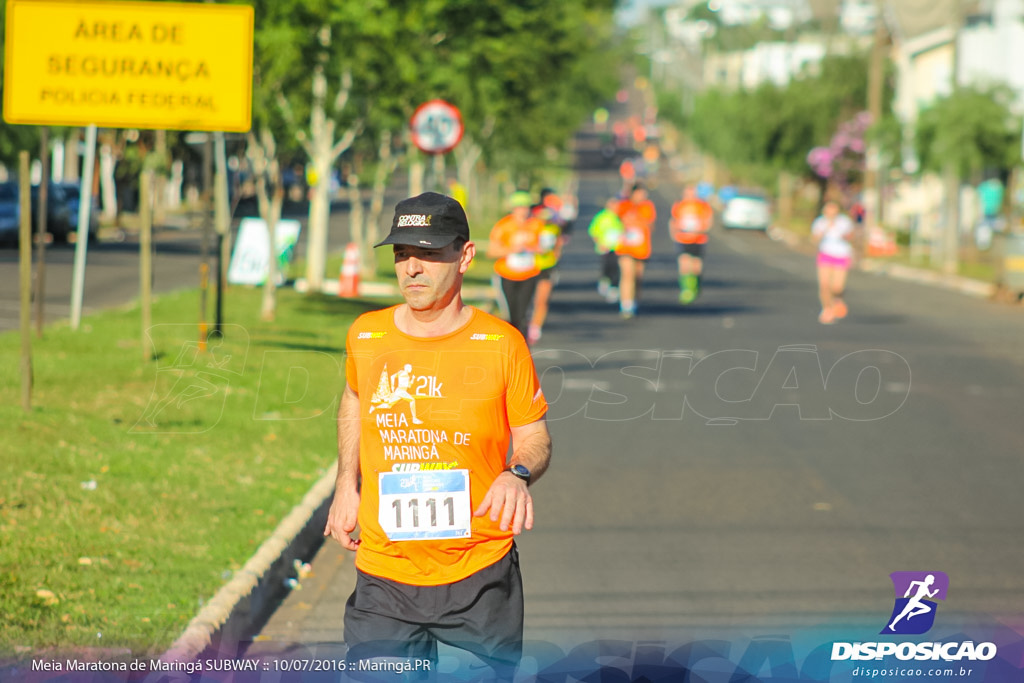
(429, 220)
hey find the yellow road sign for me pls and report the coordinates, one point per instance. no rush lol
(129, 65)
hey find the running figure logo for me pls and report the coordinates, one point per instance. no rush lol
(914, 612)
(399, 387)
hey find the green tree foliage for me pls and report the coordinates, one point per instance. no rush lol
(973, 129)
(529, 69)
(772, 128)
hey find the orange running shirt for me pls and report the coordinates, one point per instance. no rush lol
(691, 220)
(524, 241)
(435, 414)
(637, 219)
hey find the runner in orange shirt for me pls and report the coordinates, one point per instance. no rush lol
(691, 220)
(436, 393)
(515, 242)
(551, 211)
(638, 215)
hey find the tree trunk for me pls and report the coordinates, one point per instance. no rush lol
(323, 150)
(466, 156)
(319, 215)
(160, 179)
(267, 170)
(173, 190)
(321, 134)
(71, 156)
(108, 188)
(386, 164)
(356, 224)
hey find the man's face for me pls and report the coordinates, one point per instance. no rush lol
(430, 278)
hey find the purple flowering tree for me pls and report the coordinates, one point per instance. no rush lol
(841, 163)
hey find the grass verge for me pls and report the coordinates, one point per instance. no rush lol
(133, 490)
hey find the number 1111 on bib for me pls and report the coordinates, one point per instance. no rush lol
(421, 506)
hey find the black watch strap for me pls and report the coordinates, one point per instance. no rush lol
(520, 472)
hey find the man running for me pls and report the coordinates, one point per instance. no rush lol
(606, 230)
(552, 239)
(691, 220)
(437, 504)
(515, 243)
(638, 215)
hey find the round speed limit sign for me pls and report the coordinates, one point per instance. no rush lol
(436, 127)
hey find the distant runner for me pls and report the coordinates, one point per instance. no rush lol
(832, 231)
(638, 215)
(606, 230)
(691, 220)
(515, 243)
(552, 239)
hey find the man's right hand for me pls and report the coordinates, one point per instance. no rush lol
(341, 520)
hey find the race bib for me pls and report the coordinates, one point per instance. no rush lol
(520, 263)
(691, 224)
(425, 506)
(633, 237)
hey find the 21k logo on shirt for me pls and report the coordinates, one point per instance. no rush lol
(404, 387)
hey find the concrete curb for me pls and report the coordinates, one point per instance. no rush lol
(898, 271)
(230, 615)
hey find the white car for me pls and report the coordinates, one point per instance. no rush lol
(747, 212)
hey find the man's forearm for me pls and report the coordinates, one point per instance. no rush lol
(348, 442)
(534, 453)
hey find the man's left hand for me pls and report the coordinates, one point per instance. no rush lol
(508, 498)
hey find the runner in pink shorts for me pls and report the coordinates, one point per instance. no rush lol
(833, 232)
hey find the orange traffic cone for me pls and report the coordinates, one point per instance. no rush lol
(348, 279)
(880, 243)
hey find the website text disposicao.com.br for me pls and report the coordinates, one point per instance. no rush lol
(868, 672)
(953, 660)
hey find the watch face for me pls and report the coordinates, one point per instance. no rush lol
(520, 471)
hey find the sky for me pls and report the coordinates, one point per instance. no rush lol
(631, 12)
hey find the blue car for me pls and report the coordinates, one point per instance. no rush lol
(59, 221)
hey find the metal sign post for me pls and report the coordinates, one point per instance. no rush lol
(25, 278)
(84, 211)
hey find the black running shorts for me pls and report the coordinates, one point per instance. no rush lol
(482, 614)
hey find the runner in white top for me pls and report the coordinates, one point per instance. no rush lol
(832, 231)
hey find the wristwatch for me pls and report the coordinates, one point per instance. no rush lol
(521, 472)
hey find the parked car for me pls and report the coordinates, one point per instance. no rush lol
(72, 194)
(9, 213)
(59, 222)
(747, 211)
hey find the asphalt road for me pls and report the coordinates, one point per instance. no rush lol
(737, 465)
(735, 470)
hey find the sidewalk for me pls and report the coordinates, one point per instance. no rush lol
(313, 610)
(898, 271)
